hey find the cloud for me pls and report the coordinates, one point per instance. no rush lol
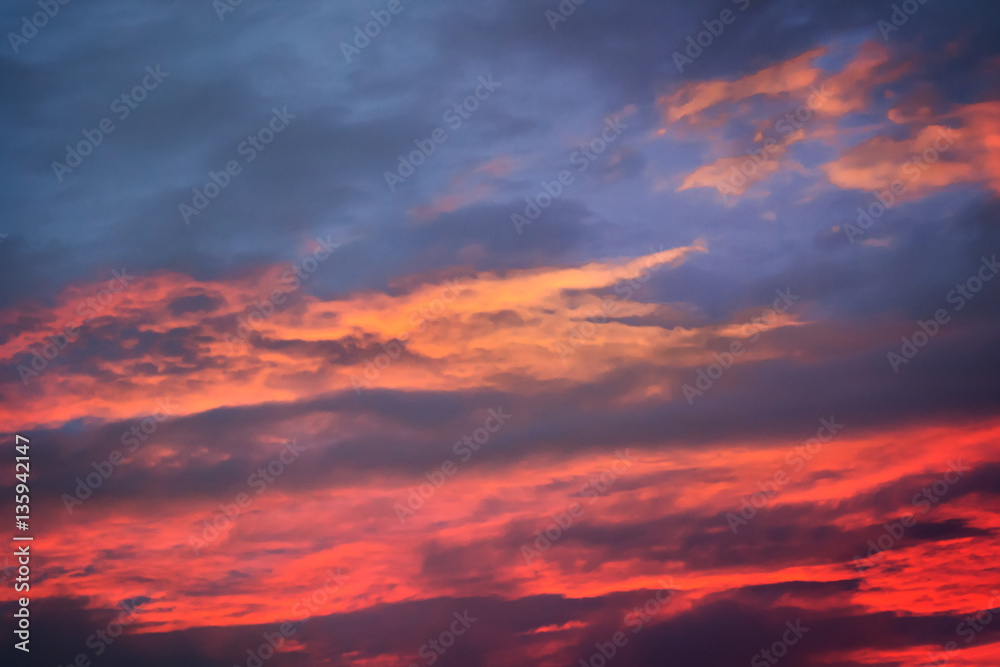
(935, 156)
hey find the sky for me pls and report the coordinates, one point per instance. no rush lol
(381, 333)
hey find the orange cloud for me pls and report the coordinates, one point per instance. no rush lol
(498, 167)
(848, 90)
(282, 553)
(935, 156)
(466, 188)
(791, 76)
(734, 175)
(246, 349)
(450, 202)
(824, 98)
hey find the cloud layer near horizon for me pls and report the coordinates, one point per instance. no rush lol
(689, 401)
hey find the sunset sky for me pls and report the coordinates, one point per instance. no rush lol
(503, 334)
